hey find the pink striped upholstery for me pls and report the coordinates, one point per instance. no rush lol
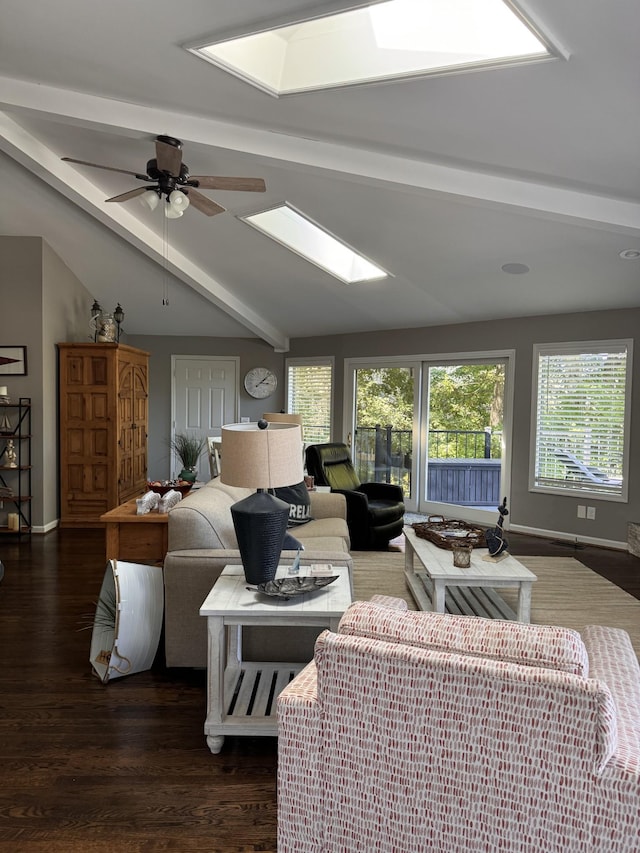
(394, 747)
(535, 645)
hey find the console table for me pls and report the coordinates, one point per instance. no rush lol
(136, 538)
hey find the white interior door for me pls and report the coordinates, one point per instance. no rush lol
(205, 396)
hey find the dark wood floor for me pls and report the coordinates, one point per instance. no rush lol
(93, 768)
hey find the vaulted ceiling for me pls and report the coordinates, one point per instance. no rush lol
(441, 180)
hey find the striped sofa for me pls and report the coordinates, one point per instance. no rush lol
(413, 732)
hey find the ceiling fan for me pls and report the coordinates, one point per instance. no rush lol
(170, 178)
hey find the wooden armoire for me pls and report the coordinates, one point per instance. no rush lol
(103, 429)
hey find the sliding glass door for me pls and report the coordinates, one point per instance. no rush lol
(463, 437)
(384, 424)
(438, 427)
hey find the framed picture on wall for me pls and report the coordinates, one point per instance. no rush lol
(13, 361)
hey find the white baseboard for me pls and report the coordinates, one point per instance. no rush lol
(46, 528)
(570, 537)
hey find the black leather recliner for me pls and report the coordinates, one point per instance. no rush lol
(375, 511)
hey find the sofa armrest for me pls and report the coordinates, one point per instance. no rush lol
(328, 505)
(357, 509)
(188, 578)
(613, 661)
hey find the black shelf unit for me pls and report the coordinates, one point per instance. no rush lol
(17, 480)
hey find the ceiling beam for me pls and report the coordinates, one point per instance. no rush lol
(45, 164)
(473, 186)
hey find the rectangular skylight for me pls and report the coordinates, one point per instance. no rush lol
(290, 228)
(382, 41)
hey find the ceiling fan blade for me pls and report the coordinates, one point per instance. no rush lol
(128, 195)
(169, 156)
(212, 182)
(108, 168)
(204, 204)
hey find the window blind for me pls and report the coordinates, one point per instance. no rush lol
(581, 417)
(309, 393)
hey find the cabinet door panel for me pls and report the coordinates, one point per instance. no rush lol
(103, 429)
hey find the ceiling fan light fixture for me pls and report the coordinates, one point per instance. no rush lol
(179, 200)
(171, 213)
(172, 181)
(150, 199)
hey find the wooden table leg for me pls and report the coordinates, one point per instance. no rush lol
(112, 536)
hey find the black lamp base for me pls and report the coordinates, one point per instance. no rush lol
(260, 522)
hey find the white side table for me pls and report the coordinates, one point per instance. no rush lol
(241, 694)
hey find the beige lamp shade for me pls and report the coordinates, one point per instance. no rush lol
(283, 418)
(261, 458)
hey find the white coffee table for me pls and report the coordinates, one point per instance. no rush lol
(241, 694)
(471, 591)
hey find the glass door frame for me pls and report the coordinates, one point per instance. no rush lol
(472, 514)
(420, 364)
(351, 365)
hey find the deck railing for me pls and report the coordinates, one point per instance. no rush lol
(464, 465)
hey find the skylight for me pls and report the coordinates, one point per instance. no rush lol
(290, 228)
(382, 41)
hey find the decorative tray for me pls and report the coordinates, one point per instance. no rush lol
(286, 587)
(443, 532)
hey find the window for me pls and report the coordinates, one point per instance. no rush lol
(382, 41)
(309, 393)
(298, 233)
(581, 418)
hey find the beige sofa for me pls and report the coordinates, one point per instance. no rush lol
(202, 542)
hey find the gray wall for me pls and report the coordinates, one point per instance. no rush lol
(537, 511)
(41, 303)
(252, 353)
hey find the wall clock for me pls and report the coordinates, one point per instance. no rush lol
(260, 382)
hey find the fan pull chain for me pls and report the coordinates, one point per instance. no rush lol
(165, 259)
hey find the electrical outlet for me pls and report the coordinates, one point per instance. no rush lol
(582, 511)
(245, 420)
(591, 512)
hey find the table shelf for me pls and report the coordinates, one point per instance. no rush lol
(467, 600)
(254, 688)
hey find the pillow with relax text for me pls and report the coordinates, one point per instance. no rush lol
(299, 503)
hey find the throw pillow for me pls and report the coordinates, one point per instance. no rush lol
(299, 503)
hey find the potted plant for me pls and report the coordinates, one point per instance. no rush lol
(189, 449)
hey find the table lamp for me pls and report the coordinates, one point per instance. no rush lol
(261, 456)
(283, 418)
